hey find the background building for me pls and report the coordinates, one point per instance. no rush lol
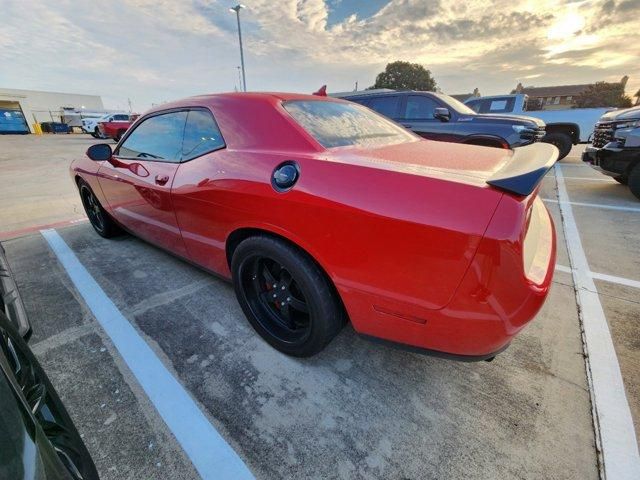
(463, 97)
(20, 109)
(558, 97)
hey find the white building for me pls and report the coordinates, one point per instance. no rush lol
(20, 109)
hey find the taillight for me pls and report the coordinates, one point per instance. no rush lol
(538, 243)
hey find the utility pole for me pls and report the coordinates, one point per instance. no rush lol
(237, 9)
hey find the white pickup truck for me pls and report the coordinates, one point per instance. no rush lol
(564, 127)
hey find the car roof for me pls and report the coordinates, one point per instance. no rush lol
(268, 97)
(260, 113)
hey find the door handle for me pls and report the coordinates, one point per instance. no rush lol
(162, 179)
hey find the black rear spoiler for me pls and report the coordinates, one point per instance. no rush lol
(526, 168)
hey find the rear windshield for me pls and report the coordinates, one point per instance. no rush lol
(335, 124)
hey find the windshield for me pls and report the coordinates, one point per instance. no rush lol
(457, 105)
(335, 124)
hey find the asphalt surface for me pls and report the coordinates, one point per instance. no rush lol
(356, 410)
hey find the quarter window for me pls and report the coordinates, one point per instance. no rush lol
(157, 138)
(387, 106)
(201, 135)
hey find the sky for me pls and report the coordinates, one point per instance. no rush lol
(153, 51)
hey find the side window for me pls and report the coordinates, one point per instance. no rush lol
(201, 135)
(387, 106)
(419, 107)
(500, 106)
(474, 105)
(157, 138)
(121, 117)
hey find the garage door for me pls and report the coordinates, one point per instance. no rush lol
(12, 121)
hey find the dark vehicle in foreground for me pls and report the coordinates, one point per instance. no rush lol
(615, 150)
(37, 438)
(436, 116)
(321, 211)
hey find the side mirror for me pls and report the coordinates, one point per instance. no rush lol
(442, 114)
(99, 152)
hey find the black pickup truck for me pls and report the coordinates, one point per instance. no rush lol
(440, 117)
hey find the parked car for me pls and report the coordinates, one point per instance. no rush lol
(565, 128)
(38, 440)
(440, 117)
(321, 210)
(90, 125)
(115, 128)
(615, 150)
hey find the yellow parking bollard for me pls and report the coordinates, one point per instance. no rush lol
(37, 129)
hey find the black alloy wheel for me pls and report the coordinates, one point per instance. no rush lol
(285, 296)
(92, 208)
(276, 298)
(100, 220)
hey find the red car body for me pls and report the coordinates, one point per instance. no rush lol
(115, 129)
(420, 248)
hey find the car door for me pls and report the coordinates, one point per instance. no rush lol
(418, 115)
(137, 180)
(200, 198)
(387, 105)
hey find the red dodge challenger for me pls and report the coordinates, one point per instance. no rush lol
(322, 211)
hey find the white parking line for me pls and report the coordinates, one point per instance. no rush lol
(593, 179)
(612, 420)
(603, 276)
(596, 205)
(210, 454)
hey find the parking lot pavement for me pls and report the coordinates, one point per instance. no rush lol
(356, 410)
(611, 242)
(36, 189)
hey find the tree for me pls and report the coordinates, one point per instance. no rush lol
(637, 95)
(603, 94)
(405, 76)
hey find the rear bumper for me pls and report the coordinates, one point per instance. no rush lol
(497, 298)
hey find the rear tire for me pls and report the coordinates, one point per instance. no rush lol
(561, 140)
(634, 181)
(96, 133)
(100, 220)
(286, 297)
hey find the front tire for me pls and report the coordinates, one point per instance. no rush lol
(100, 220)
(561, 140)
(634, 181)
(286, 297)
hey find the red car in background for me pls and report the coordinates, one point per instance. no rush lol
(322, 211)
(116, 128)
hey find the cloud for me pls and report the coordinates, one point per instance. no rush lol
(157, 50)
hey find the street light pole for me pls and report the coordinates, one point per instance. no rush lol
(236, 9)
